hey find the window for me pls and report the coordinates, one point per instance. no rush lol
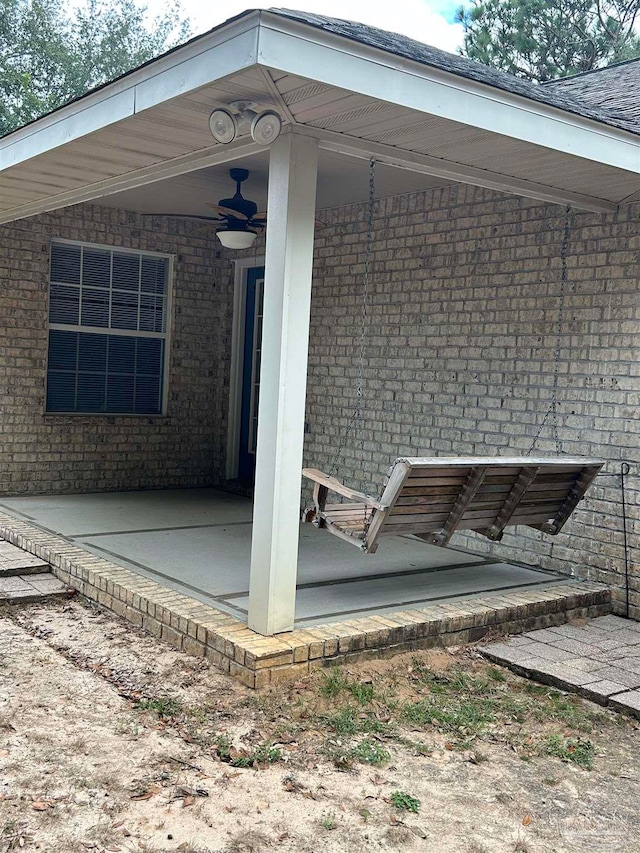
(107, 330)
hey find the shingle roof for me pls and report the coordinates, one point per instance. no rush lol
(469, 68)
(616, 88)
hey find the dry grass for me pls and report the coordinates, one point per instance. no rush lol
(116, 729)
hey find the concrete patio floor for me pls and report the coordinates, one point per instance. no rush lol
(197, 541)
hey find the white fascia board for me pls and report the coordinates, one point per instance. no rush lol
(317, 55)
(220, 53)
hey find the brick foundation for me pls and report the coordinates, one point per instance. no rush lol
(257, 661)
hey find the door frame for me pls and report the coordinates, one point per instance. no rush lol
(242, 266)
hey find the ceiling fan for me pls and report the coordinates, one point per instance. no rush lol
(240, 222)
(237, 222)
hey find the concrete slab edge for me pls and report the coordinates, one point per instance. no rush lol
(258, 661)
(14, 571)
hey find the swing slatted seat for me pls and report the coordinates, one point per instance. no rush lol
(433, 497)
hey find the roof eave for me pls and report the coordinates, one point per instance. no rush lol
(369, 71)
(225, 50)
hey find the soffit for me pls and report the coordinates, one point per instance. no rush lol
(151, 135)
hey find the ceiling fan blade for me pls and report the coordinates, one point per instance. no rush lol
(262, 215)
(205, 227)
(228, 211)
(191, 216)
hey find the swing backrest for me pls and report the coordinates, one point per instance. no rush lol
(433, 497)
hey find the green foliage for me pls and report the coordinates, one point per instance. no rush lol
(575, 750)
(545, 39)
(402, 800)
(328, 821)
(564, 708)
(350, 721)
(263, 753)
(370, 752)
(458, 716)
(51, 53)
(162, 706)
(336, 682)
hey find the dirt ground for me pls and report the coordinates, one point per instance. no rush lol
(112, 741)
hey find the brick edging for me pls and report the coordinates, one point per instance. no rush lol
(202, 630)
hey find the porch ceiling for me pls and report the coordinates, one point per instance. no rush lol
(153, 124)
(341, 180)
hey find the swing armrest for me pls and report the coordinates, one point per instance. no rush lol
(339, 488)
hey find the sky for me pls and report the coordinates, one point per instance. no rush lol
(429, 21)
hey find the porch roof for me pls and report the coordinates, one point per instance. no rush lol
(405, 104)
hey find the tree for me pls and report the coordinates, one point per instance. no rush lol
(48, 58)
(544, 39)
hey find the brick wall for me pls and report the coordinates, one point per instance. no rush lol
(461, 338)
(52, 453)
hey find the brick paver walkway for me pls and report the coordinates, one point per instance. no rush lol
(24, 577)
(599, 659)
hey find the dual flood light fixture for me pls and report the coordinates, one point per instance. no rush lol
(264, 126)
(225, 126)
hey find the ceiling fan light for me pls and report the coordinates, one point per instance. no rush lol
(266, 127)
(236, 239)
(223, 126)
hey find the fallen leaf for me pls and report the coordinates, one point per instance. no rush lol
(188, 801)
(42, 805)
(526, 820)
(192, 792)
(285, 738)
(146, 796)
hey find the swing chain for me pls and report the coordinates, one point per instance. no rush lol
(355, 423)
(553, 405)
(365, 304)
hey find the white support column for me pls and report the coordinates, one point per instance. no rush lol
(293, 167)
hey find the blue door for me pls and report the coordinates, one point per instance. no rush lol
(251, 374)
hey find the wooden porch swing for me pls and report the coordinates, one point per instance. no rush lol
(433, 497)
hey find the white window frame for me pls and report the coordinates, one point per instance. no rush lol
(166, 335)
(242, 266)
